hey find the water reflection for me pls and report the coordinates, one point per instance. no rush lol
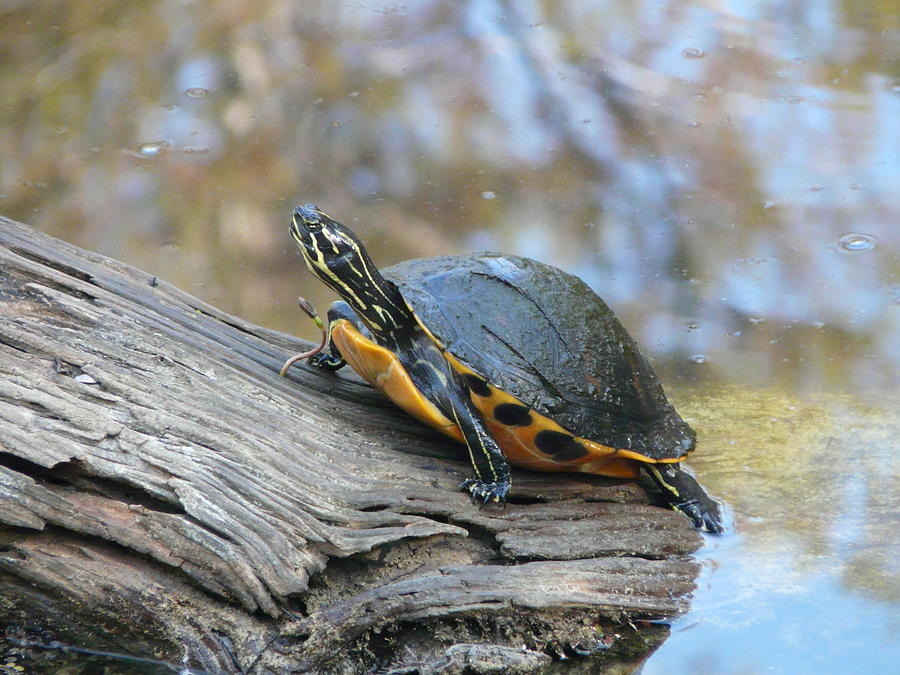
(724, 175)
(813, 479)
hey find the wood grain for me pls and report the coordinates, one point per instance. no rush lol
(163, 492)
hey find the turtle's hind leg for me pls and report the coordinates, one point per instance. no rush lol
(683, 493)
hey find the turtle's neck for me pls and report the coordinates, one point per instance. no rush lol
(378, 303)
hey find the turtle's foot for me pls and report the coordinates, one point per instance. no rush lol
(705, 514)
(326, 361)
(485, 492)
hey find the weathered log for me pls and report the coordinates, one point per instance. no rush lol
(165, 494)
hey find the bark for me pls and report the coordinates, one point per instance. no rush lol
(165, 494)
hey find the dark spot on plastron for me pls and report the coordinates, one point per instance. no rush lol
(512, 415)
(477, 385)
(560, 446)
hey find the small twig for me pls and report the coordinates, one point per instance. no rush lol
(116, 656)
(311, 312)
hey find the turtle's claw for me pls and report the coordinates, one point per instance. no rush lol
(706, 514)
(485, 492)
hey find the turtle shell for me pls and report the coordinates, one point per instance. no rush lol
(543, 336)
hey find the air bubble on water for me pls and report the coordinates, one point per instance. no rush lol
(769, 205)
(693, 124)
(693, 53)
(335, 124)
(152, 149)
(195, 149)
(487, 194)
(816, 188)
(196, 92)
(856, 242)
(698, 358)
(756, 319)
(692, 325)
(855, 186)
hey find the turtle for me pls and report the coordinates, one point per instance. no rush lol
(517, 359)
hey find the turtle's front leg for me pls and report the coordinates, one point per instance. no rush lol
(492, 481)
(326, 355)
(330, 358)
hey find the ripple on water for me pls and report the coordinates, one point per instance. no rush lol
(856, 242)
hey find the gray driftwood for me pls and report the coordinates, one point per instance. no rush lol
(163, 493)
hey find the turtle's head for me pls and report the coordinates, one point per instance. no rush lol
(326, 245)
(334, 254)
